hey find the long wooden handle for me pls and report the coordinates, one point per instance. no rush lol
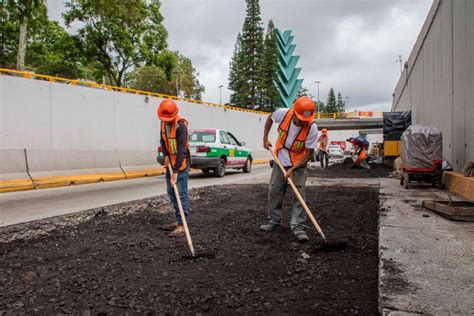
(183, 218)
(298, 195)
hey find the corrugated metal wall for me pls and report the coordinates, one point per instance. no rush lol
(437, 83)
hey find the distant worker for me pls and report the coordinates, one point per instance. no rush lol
(360, 148)
(295, 145)
(175, 144)
(323, 148)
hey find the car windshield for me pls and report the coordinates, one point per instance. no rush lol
(206, 136)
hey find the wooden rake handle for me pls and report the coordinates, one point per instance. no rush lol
(183, 217)
(298, 195)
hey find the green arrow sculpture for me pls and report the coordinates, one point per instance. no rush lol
(288, 83)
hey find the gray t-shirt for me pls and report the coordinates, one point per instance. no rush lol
(311, 140)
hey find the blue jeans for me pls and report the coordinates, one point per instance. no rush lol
(182, 184)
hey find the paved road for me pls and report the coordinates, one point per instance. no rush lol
(25, 206)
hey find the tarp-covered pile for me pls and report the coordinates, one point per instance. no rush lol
(422, 148)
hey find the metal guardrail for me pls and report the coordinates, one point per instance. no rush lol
(91, 84)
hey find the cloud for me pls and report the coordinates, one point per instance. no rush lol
(350, 45)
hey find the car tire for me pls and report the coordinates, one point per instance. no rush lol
(219, 171)
(248, 166)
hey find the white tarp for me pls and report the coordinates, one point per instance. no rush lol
(421, 146)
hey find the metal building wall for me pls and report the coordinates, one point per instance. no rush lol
(437, 83)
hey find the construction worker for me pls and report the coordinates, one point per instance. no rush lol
(175, 144)
(360, 148)
(296, 142)
(323, 148)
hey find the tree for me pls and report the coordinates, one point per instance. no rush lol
(246, 69)
(16, 17)
(27, 10)
(340, 104)
(183, 81)
(270, 95)
(236, 77)
(120, 35)
(304, 92)
(49, 48)
(331, 104)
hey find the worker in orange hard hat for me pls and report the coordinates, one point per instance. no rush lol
(323, 148)
(297, 138)
(175, 146)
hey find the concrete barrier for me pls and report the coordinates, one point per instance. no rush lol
(52, 168)
(139, 163)
(456, 182)
(13, 171)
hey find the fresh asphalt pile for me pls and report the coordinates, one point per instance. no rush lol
(120, 263)
(344, 170)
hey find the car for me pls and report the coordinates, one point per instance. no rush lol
(216, 150)
(335, 151)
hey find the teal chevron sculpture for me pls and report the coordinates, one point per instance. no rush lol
(288, 83)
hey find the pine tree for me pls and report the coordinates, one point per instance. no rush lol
(236, 79)
(340, 104)
(270, 97)
(331, 104)
(247, 62)
(304, 92)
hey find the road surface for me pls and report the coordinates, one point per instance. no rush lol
(25, 206)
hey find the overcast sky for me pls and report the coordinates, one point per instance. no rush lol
(350, 45)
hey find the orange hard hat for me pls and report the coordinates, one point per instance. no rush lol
(167, 110)
(324, 130)
(304, 109)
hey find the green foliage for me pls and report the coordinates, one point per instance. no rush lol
(183, 81)
(304, 91)
(270, 96)
(331, 104)
(340, 104)
(246, 68)
(119, 34)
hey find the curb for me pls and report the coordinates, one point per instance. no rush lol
(63, 181)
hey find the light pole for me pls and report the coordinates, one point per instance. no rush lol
(347, 104)
(220, 94)
(318, 82)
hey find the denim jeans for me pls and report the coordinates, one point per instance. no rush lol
(276, 194)
(323, 157)
(182, 184)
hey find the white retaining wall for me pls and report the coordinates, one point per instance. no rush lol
(68, 128)
(437, 84)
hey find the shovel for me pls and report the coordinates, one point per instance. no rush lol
(208, 254)
(327, 246)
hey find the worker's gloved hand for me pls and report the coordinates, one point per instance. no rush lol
(267, 144)
(289, 173)
(174, 178)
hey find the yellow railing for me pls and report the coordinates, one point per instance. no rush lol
(95, 85)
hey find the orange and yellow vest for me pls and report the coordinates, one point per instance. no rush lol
(298, 147)
(323, 141)
(172, 144)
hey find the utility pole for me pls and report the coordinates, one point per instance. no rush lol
(399, 60)
(220, 94)
(318, 82)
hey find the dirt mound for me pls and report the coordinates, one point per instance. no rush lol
(116, 264)
(343, 170)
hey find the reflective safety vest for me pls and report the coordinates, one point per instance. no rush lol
(323, 141)
(298, 147)
(172, 143)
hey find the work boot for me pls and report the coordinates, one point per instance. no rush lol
(177, 232)
(301, 236)
(170, 226)
(269, 227)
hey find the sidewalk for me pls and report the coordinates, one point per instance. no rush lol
(426, 261)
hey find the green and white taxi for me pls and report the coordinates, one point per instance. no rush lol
(216, 150)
